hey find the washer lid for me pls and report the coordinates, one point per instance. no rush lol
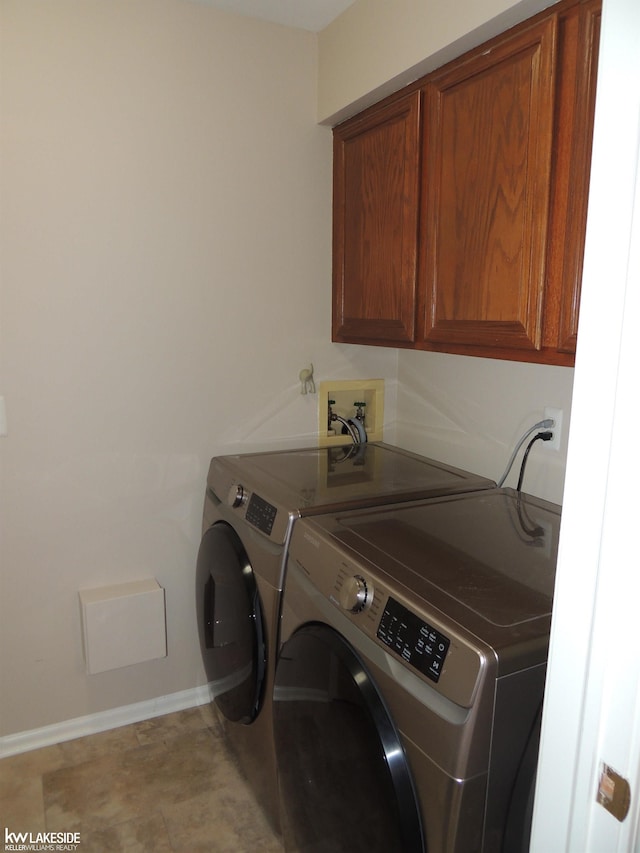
(487, 559)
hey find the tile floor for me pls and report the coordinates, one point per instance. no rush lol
(165, 784)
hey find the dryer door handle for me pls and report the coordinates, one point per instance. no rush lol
(209, 610)
(221, 624)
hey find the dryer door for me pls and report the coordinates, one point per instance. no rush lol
(231, 624)
(344, 779)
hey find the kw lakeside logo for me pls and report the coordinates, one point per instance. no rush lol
(41, 840)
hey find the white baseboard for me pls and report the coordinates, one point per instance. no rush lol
(102, 721)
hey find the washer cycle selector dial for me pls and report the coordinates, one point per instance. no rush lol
(237, 495)
(355, 594)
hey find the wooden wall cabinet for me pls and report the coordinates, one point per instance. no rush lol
(460, 202)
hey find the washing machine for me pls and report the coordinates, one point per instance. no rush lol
(410, 679)
(251, 505)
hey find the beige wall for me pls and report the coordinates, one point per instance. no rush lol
(471, 412)
(166, 233)
(375, 47)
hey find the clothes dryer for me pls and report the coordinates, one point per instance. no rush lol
(251, 505)
(410, 679)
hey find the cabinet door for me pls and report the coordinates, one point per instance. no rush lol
(375, 214)
(486, 185)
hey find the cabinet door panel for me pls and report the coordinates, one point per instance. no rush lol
(486, 191)
(376, 190)
(573, 181)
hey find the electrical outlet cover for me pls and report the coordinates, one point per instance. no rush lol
(556, 414)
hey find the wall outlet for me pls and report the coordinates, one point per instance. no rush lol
(556, 414)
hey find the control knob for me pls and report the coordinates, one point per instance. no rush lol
(237, 495)
(355, 594)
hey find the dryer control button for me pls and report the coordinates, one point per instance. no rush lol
(355, 594)
(237, 495)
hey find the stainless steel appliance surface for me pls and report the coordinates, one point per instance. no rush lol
(409, 685)
(252, 503)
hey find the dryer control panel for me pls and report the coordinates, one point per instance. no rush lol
(418, 643)
(261, 514)
(226, 490)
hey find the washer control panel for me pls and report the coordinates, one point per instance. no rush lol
(392, 615)
(418, 643)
